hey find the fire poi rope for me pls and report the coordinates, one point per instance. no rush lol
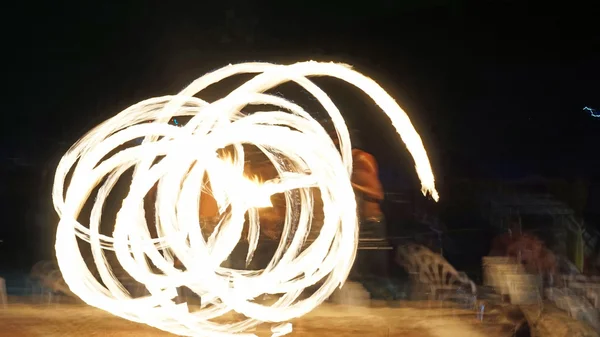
(186, 154)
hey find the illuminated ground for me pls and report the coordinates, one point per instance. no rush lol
(328, 320)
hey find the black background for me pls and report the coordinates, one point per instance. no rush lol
(496, 88)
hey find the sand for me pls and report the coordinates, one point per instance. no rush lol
(409, 320)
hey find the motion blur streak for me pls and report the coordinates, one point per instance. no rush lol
(177, 160)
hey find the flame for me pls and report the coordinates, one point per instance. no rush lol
(188, 154)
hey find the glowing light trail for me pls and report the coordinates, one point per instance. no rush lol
(187, 153)
(592, 112)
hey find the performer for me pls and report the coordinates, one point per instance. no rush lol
(372, 261)
(526, 249)
(271, 218)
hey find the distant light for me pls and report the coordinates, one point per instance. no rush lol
(593, 112)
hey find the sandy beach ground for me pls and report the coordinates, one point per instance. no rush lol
(403, 319)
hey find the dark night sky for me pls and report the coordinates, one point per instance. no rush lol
(501, 82)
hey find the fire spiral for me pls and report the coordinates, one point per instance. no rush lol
(176, 159)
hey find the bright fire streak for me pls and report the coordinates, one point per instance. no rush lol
(295, 143)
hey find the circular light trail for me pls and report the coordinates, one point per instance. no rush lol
(176, 159)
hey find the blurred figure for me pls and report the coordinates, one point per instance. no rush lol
(371, 263)
(528, 250)
(369, 195)
(531, 252)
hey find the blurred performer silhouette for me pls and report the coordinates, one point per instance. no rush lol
(526, 249)
(372, 259)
